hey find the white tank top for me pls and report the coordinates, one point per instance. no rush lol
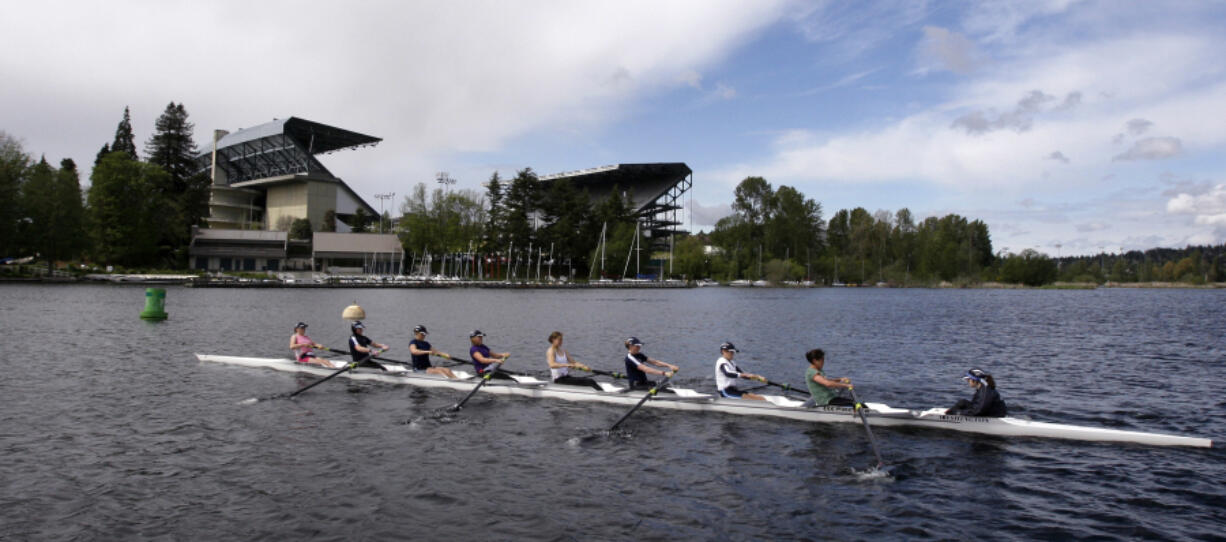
(559, 356)
(722, 381)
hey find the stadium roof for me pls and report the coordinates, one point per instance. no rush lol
(281, 147)
(655, 189)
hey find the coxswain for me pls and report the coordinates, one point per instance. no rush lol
(482, 358)
(986, 402)
(420, 352)
(303, 348)
(360, 347)
(823, 391)
(638, 366)
(560, 365)
(727, 373)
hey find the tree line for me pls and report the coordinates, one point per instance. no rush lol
(135, 213)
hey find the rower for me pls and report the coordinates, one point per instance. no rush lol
(823, 391)
(986, 402)
(560, 365)
(303, 348)
(420, 352)
(727, 373)
(637, 367)
(483, 358)
(360, 346)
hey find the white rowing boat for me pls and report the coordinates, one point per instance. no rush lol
(775, 406)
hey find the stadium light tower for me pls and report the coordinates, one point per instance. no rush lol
(444, 179)
(382, 198)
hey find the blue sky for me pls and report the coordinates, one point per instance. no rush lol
(1087, 125)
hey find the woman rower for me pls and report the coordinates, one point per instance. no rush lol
(303, 348)
(560, 365)
(727, 373)
(360, 346)
(986, 402)
(637, 365)
(823, 391)
(420, 352)
(483, 358)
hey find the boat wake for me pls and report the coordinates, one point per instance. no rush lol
(599, 434)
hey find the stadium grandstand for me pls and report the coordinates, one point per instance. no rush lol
(655, 191)
(265, 176)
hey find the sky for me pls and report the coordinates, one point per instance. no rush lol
(1070, 127)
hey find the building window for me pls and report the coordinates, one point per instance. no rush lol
(202, 263)
(225, 264)
(274, 264)
(248, 264)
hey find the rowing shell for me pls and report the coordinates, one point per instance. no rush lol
(774, 406)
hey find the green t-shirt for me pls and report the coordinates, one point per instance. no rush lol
(821, 394)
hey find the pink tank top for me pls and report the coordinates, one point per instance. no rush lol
(304, 352)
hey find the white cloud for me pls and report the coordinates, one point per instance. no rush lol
(1152, 148)
(1209, 209)
(430, 78)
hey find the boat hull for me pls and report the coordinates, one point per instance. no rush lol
(777, 407)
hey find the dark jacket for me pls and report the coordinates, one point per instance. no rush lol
(986, 403)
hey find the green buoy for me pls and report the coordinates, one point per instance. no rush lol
(155, 304)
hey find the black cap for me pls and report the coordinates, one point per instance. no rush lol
(420, 329)
(476, 333)
(632, 341)
(357, 325)
(728, 347)
(301, 325)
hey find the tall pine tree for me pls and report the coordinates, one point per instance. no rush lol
(71, 238)
(14, 164)
(124, 139)
(187, 190)
(38, 198)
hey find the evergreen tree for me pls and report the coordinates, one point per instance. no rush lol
(14, 165)
(38, 201)
(123, 208)
(360, 222)
(71, 207)
(495, 227)
(125, 141)
(187, 190)
(105, 150)
(520, 204)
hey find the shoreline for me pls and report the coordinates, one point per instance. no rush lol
(193, 282)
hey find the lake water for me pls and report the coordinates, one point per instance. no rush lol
(111, 429)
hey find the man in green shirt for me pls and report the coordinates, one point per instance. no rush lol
(824, 391)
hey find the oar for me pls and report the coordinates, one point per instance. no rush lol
(867, 429)
(380, 358)
(348, 366)
(651, 393)
(484, 378)
(785, 387)
(611, 374)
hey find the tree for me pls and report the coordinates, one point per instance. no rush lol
(360, 222)
(520, 205)
(125, 141)
(123, 205)
(38, 201)
(14, 166)
(329, 222)
(105, 150)
(70, 207)
(1030, 268)
(187, 191)
(494, 226)
(300, 228)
